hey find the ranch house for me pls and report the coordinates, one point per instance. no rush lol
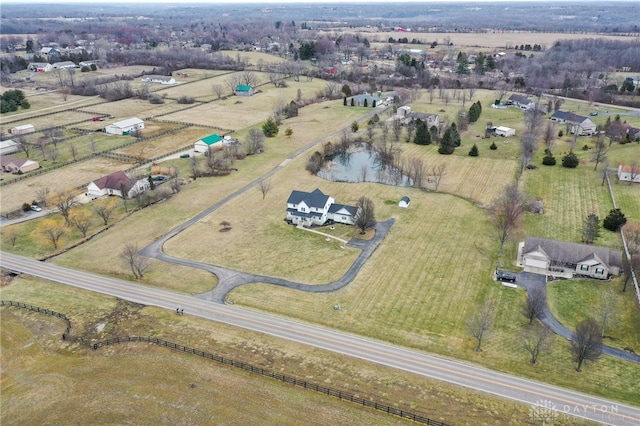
(521, 102)
(578, 125)
(17, 165)
(39, 67)
(568, 260)
(315, 208)
(406, 116)
(125, 127)
(362, 100)
(115, 183)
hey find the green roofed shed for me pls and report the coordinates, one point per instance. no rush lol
(203, 144)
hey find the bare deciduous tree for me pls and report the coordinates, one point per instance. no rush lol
(81, 219)
(365, 217)
(64, 200)
(255, 143)
(479, 323)
(11, 234)
(533, 306)
(536, 339)
(73, 151)
(264, 187)
(417, 171)
(42, 195)
(437, 173)
(217, 89)
(586, 342)
(549, 135)
(506, 212)
(105, 208)
(133, 260)
(606, 309)
(52, 230)
(599, 153)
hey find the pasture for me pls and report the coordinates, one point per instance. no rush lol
(62, 376)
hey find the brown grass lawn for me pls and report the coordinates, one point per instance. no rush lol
(14, 195)
(497, 40)
(240, 112)
(46, 379)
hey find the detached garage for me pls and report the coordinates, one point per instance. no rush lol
(125, 127)
(214, 141)
(505, 131)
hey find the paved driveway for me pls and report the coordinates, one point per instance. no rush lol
(528, 281)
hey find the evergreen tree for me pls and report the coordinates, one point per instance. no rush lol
(344, 102)
(365, 103)
(446, 144)
(270, 128)
(590, 228)
(570, 160)
(462, 65)
(435, 135)
(493, 146)
(353, 102)
(455, 136)
(614, 220)
(422, 134)
(474, 114)
(473, 152)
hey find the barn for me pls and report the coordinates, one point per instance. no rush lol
(125, 127)
(214, 141)
(23, 130)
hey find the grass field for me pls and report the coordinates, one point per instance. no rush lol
(46, 378)
(428, 275)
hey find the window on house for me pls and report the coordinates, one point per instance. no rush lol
(302, 209)
(584, 267)
(599, 271)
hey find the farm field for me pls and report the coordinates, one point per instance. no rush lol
(64, 381)
(428, 275)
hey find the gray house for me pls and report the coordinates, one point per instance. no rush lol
(568, 260)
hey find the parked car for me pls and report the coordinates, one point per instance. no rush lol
(98, 118)
(184, 155)
(593, 114)
(36, 208)
(506, 276)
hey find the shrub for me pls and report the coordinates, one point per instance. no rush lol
(155, 99)
(473, 152)
(585, 147)
(570, 160)
(614, 220)
(186, 100)
(560, 134)
(26, 207)
(493, 146)
(549, 160)
(354, 126)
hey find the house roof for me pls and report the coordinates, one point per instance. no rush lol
(503, 128)
(127, 123)
(405, 199)
(156, 77)
(114, 181)
(8, 144)
(625, 168)
(17, 162)
(522, 100)
(211, 139)
(334, 208)
(562, 251)
(312, 199)
(65, 64)
(243, 88)
(25, 127)
(569, 116)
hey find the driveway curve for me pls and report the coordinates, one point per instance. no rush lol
(529, 281)
(228, 278)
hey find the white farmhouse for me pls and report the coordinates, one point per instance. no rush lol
(316, 208)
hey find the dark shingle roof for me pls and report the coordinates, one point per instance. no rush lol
(336, 207)
(523, 100)
(562, 251)
(568, 116)
(312, 199)
(114, 181)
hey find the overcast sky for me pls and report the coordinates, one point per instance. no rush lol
(274, 2)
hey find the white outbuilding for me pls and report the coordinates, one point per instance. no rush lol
(125, 127)
(505, 131)
(404, 202)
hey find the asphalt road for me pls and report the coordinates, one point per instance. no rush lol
(546, 400)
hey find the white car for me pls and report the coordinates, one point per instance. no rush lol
(36, 208)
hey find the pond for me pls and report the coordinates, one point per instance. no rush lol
(362, 165)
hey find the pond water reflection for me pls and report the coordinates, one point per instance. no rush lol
(362, 166)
